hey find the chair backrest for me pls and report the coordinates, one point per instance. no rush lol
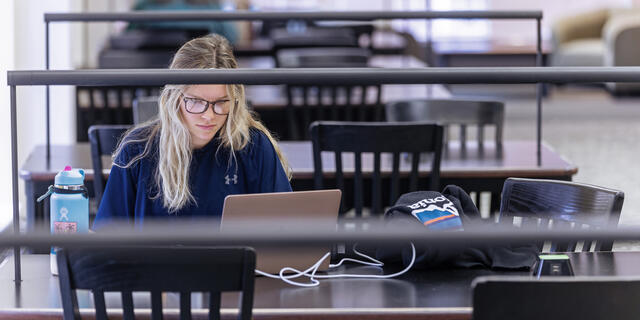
(556, 298)
(330, 57)
(561, 204)
(405, 142)
(156, 270)
(145, 109)
(312, 37)
(106, 105)
(450, 112)
(309, 103)
(104, 140)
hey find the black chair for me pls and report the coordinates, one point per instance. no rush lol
(145, 109)
(104, 140)
(331, 57)
(449, 112)
(106, 105)
(156, 270)
(404, 141)
(310, 37)
(556, 298)
(549, 204)
(309, 103)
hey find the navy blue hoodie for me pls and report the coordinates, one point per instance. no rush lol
(129, 191)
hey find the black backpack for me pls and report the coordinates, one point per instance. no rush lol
(449, 211)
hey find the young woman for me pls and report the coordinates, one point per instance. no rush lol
(204, 146)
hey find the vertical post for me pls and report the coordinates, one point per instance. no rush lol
(14, 183)
(428, 46)
(539, 87)
(46, 48)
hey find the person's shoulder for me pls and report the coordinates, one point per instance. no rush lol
(259, 141)
(258, 145)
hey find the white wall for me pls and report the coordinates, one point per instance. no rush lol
(28, 50)
(6, 63)
(72, 46)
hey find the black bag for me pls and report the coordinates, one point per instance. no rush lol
(449, 211)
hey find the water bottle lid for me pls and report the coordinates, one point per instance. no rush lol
(69, 177)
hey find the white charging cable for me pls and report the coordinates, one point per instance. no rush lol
(373, 263)
(313, 278)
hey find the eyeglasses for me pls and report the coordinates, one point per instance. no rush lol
(196, 106)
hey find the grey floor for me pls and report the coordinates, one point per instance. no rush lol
(589, 127)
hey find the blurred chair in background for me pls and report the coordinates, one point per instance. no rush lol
(308, 103)
(145, 109)
(453, 112)
(104, 141)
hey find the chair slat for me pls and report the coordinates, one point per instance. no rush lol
(395, 178)
(319, 105)
(294, 133)
(362, 104)
(348, 107)
(413, 178)
(156, 305)
(120, 107)
(376, 185)
(340, 178)
(214, 305)
(378, 104)
(463, 137)
(358, 189)
(98, 302)
(127, 305)
(334, 104)
(306, 109)
(185, 306)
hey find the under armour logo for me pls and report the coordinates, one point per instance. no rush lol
(228, 180)
(63, 214)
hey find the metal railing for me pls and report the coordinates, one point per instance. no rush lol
(154, 16)
(293, 76)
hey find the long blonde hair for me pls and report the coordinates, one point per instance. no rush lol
(174, 151)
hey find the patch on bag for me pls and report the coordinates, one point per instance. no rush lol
(437, 213)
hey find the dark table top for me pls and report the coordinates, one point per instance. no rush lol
(437, 294)
(518, 159)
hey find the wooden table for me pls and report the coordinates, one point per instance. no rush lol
(434, 294)
(472, 170)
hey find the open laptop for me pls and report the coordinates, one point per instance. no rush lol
(316, 209)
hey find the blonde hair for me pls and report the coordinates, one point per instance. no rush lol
(174, 151)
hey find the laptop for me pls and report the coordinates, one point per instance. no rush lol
(315, 209)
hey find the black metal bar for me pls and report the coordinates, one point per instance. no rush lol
(326, 76)
(308, 236)
(199, 15)
(48, 123)
(539, 88)
(14, 183)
